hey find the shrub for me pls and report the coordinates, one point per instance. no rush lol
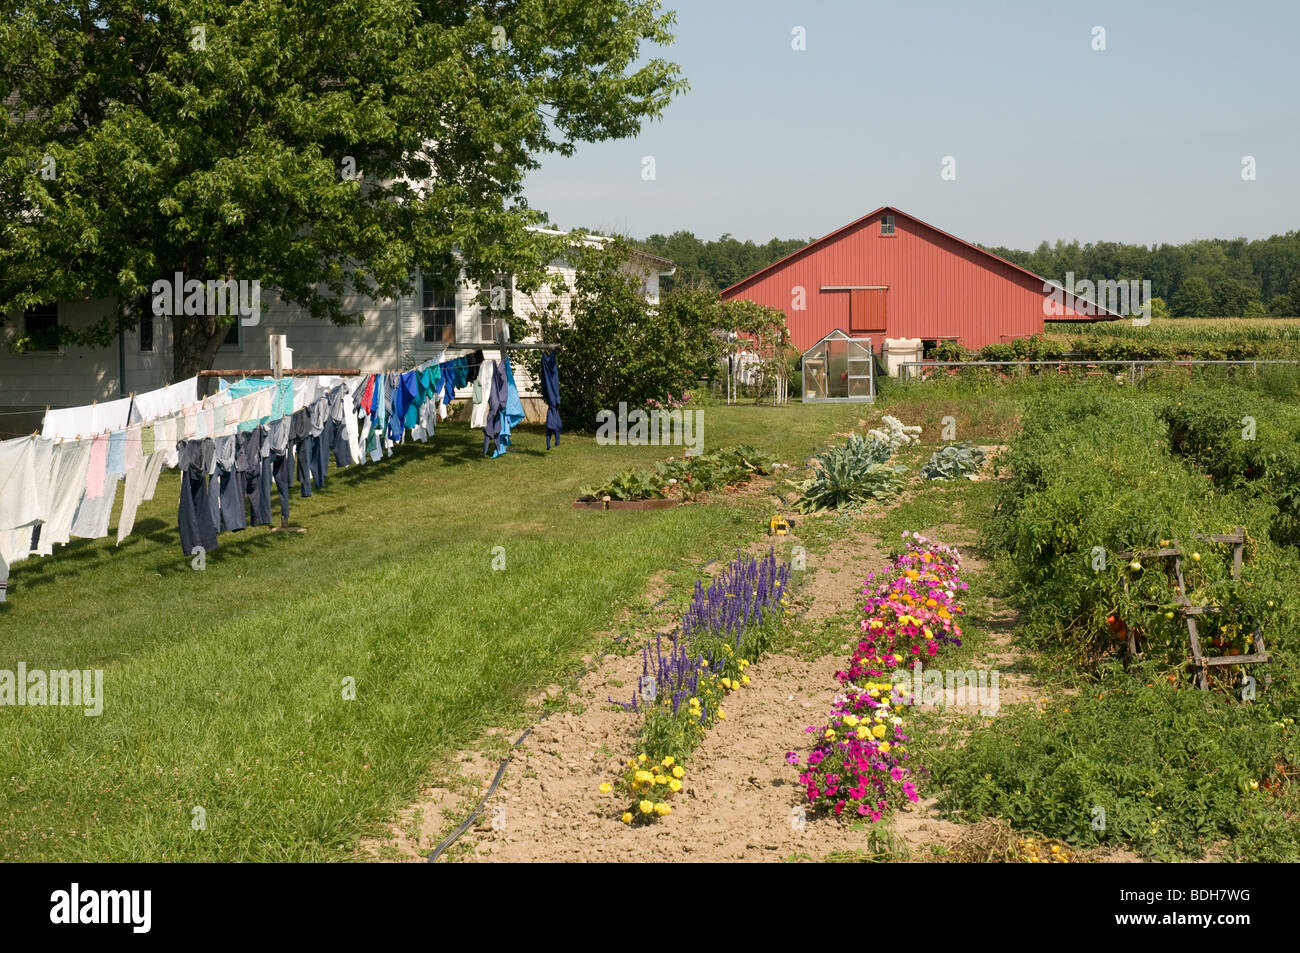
(617, 347)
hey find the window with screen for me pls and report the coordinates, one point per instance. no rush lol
(439, 312)
(886, 224)
(41, 323)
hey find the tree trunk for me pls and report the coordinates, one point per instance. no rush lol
(195, 339)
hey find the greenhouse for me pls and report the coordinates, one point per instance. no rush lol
(839, 367)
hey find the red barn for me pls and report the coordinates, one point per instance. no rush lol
(889, 275)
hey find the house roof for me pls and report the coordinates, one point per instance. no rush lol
(665, 265)
(1105, 314)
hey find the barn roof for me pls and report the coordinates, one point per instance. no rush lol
(1104, 315)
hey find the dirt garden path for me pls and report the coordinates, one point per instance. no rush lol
(741, 801)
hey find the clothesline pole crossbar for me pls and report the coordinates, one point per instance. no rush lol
(294, 372)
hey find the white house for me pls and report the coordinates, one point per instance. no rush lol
(397, 334)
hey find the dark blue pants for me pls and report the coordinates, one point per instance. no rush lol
(306, 452)
(194, 514)
(342, 452)
(282, 469)
(232, 499)
(259, 491)
(321, 458)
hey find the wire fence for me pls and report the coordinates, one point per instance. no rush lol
(1136, 369)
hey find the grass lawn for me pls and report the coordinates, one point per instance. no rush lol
(224, 689)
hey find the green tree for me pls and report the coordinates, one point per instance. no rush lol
(1231, 298)
(614, 347)
(1192, 299)
(220, 140)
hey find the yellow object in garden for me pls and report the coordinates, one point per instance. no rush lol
(779, 526)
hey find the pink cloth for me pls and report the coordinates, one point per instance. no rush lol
(98, 467)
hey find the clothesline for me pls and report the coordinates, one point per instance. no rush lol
(232, 446)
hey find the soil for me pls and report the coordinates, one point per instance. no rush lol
(740, 800)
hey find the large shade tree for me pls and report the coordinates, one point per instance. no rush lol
(321, 147)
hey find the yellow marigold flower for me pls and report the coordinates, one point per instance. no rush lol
(644, 777)
(851, 720)
(745, 679)
(641, 758)
(674, 785)
(646, 807)
(830, 734)
(884, 747)
(668, 761)
(878, 731)
(606, 788)
(744, 663)
(627, 818)
(678, 772)
(662, 809)
(721, 713)
(661, 779)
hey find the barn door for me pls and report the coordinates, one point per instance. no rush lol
(867, 311)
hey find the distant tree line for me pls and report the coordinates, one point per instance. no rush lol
(1206, 278)
(714, 265)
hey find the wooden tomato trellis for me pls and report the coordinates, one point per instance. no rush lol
(1200, 662)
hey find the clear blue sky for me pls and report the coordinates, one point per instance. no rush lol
(1142, 142)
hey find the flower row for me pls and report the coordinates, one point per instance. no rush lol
(859, 761)
(683, 684)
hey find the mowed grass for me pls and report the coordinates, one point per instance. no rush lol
(225, 733)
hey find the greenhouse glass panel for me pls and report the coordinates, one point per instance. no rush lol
(839, 367)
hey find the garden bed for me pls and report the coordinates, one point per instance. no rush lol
(679, 479)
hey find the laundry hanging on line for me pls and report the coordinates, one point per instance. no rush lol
(253, 435)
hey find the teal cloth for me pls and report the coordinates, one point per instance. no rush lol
(281, 401)
(512, 414)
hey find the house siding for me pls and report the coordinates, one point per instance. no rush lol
(391, 337)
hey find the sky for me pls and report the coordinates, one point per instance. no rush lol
(1142, 141)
